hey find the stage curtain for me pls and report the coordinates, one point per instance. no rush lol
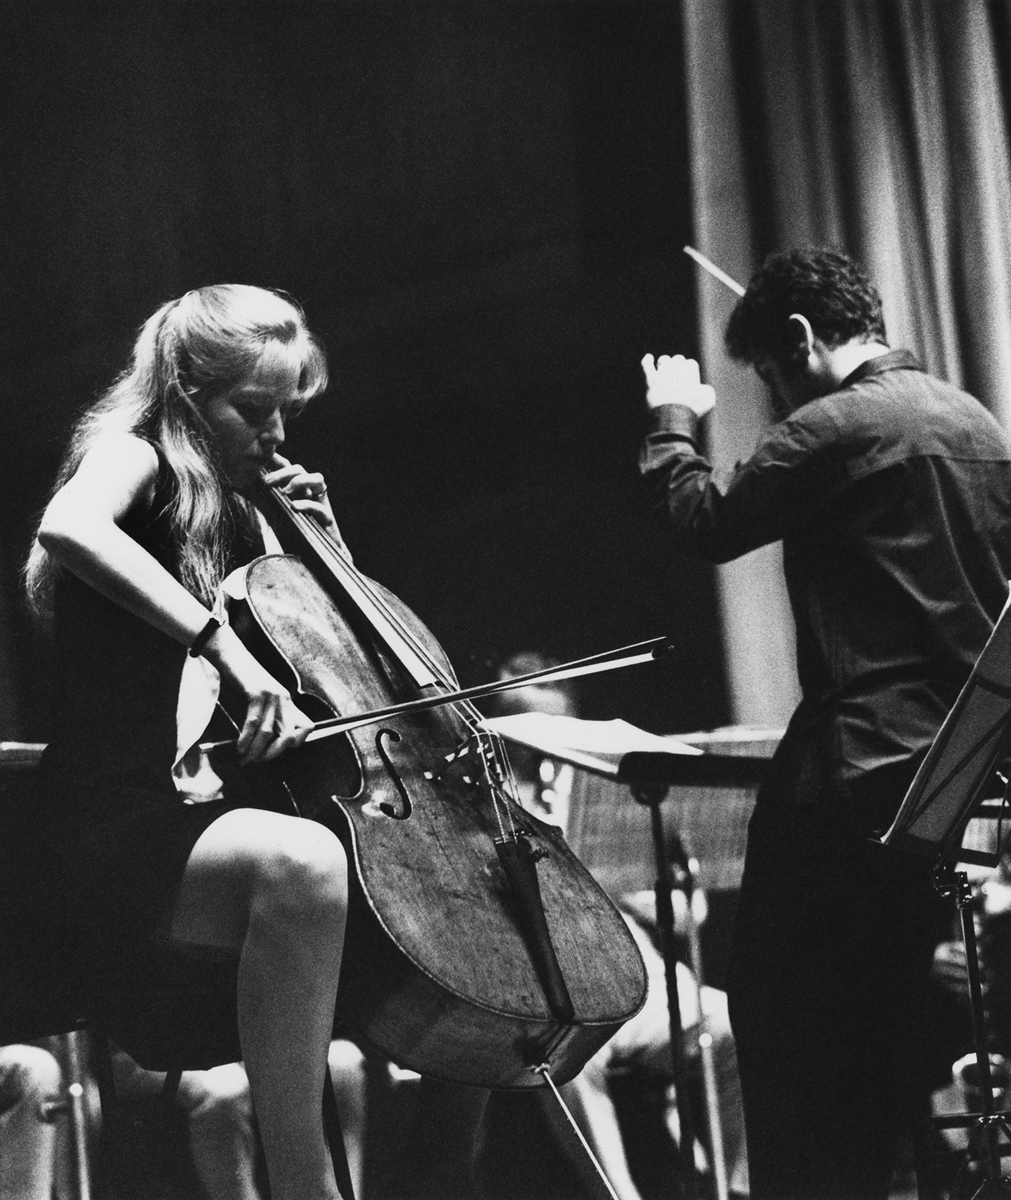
(876, 126)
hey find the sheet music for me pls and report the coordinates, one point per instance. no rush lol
(597, 745)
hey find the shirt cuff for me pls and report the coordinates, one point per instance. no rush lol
(678, 420)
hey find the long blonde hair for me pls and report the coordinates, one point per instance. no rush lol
(188, 351)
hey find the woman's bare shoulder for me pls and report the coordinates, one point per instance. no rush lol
(117, 471)
(122, 451)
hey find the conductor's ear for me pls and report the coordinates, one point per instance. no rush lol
(801, 326)
(803, 337)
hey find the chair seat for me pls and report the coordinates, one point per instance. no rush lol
(178, 1012)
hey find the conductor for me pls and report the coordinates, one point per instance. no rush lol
(890, 491)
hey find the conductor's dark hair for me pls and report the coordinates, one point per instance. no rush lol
(826, 286)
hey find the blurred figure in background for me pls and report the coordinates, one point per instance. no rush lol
(221, 1128)
(30, 1080)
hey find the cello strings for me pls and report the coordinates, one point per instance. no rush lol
(640, 652)
(496, 768)
(329, 548)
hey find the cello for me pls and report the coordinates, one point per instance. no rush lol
(478, 949)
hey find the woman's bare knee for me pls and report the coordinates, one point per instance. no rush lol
(250, 861)
(305, 873)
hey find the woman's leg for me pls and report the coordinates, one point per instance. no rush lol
(273, 889)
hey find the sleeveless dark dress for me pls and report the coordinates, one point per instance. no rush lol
(112, 826)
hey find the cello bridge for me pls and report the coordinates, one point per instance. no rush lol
(456, 758)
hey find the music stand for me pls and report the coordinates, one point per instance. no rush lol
(649, 765)
(957, 777)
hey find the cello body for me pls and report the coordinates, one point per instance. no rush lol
(443, 973)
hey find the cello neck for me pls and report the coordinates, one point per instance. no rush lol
(329, 559)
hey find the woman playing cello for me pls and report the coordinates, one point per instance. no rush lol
(147, 517)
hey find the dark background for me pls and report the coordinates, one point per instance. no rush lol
(481, 208)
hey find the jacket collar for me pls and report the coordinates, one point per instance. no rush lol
(894, 360)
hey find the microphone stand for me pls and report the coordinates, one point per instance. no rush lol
(649, 776)
(686, 882)
(651, 796)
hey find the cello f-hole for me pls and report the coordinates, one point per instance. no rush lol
(401, 811)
